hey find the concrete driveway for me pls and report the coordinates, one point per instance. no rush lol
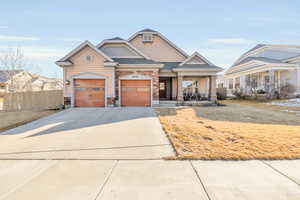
(89, 133)
(115, 153)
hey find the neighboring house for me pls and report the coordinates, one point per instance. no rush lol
(22, 81)
(140, 71)
(265, 68)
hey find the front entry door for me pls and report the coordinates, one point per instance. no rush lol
(162, 89)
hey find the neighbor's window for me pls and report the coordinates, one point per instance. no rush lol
(248, 80)
(237, 83)
(190, 86)
(254, 81)
(230, 84)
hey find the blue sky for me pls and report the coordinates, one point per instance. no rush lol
(219, 30)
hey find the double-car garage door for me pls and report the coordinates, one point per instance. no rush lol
(91, 92)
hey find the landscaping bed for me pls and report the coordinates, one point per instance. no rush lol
(241, 130)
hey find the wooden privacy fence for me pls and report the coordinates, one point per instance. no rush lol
(41, 100)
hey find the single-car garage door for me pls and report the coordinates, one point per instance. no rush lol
(135, 92)
(89, 92)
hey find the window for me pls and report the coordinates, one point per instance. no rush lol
(88, 58)
(147, 37)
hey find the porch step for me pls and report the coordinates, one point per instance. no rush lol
(184, 103)
(168, 102)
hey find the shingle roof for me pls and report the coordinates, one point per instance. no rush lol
(199, 66)
(5, 74)
(252, 49)
(115, 38)
(176, 65)
(170, 65)
(264, 59)
(256, 47)
(134, 61)
(147, 30)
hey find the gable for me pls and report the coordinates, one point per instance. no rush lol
(81, 57)
(159, 49)
(196, 60)
(119, 51)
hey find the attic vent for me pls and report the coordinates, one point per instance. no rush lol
(147, 37)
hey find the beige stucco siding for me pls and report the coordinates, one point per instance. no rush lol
(158, 50)
(82, 66)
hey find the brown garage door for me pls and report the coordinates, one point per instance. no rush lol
(89, 92)
(135, 93)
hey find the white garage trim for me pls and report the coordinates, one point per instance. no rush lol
(135, 77)
(88, 76)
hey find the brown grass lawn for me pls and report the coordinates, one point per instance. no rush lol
(13, 119)
(240, 130)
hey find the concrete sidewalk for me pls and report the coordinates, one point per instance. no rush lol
(116, 153)
(148, 179)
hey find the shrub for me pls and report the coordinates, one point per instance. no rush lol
(239, 94)
(286, 90)
(221, 93)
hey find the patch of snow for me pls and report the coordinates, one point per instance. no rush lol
(291, 102)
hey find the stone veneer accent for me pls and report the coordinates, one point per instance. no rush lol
(110, 101)
(153, 74)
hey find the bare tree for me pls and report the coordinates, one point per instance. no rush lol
(11, 61)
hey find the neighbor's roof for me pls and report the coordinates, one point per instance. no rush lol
(263, 59)
(5, 74)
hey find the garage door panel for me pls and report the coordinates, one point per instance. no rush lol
(89, 92)
(135, 92)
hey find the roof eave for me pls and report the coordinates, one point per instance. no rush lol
(196, 70)
(158, 66)
(64, 63)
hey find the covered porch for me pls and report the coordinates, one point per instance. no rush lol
(187, 88)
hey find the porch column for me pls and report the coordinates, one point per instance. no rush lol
(174, 88)
(243, 82)
(179, 88)
(271, 81)
(212, 88)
